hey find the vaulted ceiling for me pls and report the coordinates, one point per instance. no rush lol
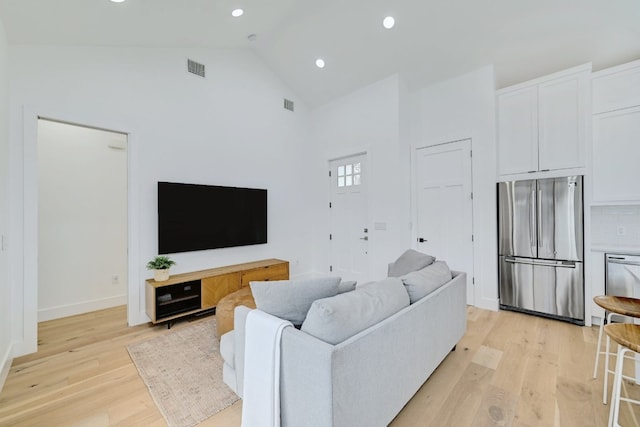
(432, 40)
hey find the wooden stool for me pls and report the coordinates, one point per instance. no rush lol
(615, 306)
(227, 305)
(627, 335)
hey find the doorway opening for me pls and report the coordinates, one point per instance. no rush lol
(82, 221)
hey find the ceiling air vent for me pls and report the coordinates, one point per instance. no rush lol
(195, 68)
(288, 104)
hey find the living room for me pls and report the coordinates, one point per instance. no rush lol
(231, 129)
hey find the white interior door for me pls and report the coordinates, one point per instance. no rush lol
(349, 233)
(444, 206)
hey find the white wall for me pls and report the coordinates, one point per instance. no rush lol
(82, 219)
(615, 227)
(366, 120)
(5, 296)
(460, 108)
(227, 129)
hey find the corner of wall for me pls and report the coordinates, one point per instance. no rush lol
(5, 366)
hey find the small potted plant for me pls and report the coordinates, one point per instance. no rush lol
(160, 266)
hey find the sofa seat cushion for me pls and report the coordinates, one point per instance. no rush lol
(426, 280)
(227, 349)
(226, 306)
(291, 299)
(409, 261)
(337, 318)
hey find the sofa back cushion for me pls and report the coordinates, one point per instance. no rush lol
(337, 318)
(424, 281)
(409, 261)
(291, 299)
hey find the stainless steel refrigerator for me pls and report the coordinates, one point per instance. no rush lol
(540, 241)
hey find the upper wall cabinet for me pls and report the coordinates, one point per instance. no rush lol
(542, 123)
(616, 134)
(616, 88)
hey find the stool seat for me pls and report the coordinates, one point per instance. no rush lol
(626, 334)
(621, 305)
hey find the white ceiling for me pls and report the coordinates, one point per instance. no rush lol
(433, 39)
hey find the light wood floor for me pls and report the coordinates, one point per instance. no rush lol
(509, 369)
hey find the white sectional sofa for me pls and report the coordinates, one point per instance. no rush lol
(366, 379)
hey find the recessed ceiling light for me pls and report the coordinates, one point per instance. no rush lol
(389, 22)
(320, 63)
(237, 12)
(117, 1)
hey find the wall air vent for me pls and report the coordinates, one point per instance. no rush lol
(195, 68)
(288, 104)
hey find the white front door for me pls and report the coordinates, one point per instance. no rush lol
(444, 206)
(349, 232)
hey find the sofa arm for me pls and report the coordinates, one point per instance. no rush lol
(239, 321)
(306, 390)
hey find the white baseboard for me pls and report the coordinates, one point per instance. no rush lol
(489, 304)
(81, 307)
(6, 366)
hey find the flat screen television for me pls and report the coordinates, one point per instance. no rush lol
(193, 217)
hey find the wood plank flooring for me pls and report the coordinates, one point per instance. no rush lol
(510, 369)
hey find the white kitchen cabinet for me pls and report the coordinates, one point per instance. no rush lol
(562, 123)
(518, 130)
(616, 88)
(616, 134)
(542, 124)
(616, 156)
(597, 282)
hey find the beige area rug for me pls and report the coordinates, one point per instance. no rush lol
(183, 371)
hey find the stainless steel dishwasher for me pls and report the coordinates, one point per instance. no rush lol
(622, 275)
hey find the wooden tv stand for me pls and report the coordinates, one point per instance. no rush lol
(190, 293)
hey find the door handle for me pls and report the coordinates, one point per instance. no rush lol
(532, 218)
(364, 238)
(421, 240)
(560, 264)
(539, 222)
(620, 261)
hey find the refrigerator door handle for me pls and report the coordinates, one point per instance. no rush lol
(539, 219)
(532, 218)
(561, 264)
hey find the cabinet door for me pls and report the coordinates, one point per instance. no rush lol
(616, 156)
(271, 272)
(561, 123)
(616, 89)
(216, 287)
(518, 131)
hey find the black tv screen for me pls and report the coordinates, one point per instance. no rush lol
(193, 217)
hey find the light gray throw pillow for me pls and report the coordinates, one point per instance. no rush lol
(291, 299)
(337, 318)
(409, 261)
(346, 286)
(424, 281)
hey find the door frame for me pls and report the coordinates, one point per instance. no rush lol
(414, 201)
(367, 192)
(24, 221)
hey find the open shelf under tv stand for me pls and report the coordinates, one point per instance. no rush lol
(199, 291)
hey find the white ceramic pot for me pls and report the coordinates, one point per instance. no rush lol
(161, 275)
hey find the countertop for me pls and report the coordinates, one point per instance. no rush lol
(631, 250)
